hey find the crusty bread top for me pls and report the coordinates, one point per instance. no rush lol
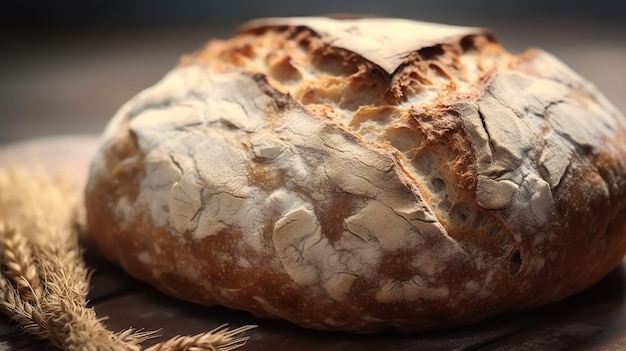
(388, 154)
(387, 43)
(439, 96)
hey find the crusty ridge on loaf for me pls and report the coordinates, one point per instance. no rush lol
(362, 175)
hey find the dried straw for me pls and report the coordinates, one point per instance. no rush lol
(44, 281)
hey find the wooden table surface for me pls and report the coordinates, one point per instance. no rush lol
(73, 84)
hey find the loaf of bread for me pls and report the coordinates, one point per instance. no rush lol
(362, 175)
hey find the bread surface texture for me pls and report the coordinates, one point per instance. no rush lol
(362, 175)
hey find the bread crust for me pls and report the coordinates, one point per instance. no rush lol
(362, 175)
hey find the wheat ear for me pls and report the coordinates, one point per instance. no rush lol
(43, 278)
(218, 339)
(44, 281)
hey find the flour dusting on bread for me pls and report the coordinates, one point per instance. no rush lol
(364, 174)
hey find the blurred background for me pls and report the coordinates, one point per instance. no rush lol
(66, 66)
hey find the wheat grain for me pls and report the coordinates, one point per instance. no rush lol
(17, 264)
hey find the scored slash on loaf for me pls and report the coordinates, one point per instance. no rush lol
(362, 175)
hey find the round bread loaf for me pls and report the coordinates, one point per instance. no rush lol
(362, 175)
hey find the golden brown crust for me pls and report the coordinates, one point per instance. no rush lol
(296, 172)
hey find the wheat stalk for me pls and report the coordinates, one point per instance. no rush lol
(44, 281)
(43, 278)
(220, 338)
